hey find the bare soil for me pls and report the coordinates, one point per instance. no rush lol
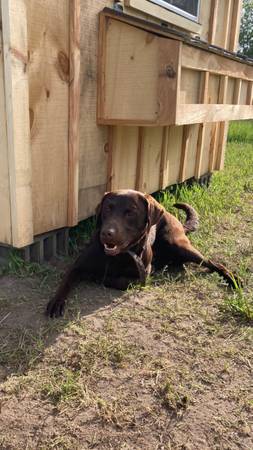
(165, 367)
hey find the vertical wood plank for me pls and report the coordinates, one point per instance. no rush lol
(249, 93)
(139, 166)
(227, 24)
(5, 223)
(237, 91)
(235, 26)
(14, 23)
(221, 137)
(169, 79)
(49, 102)
(110, 148)
(213, 146)
(219, 165)
(201, 136)
(213, 21)
(184, 151)
(74, 107)
(164, 163)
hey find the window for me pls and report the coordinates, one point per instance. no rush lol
(186, 8)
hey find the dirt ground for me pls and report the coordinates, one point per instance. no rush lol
(165, 367)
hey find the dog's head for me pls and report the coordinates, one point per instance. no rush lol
(123, 217)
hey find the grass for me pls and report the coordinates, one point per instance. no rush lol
(160, 367)
(241, 131)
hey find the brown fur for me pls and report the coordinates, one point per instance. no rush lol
(134, 233)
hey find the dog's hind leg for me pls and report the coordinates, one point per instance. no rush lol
(187, 253)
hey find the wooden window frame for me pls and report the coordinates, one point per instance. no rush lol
(164, 14)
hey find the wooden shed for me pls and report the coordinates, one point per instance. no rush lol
(98, 95)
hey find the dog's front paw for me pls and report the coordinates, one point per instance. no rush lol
(55, 307)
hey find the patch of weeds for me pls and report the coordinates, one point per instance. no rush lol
(20, 350)
(173, 399)
(239, 306)
(63, 385)
(80, 234)
(17, 266)
(116, 412)
(91, 356)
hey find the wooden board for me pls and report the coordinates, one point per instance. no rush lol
(164, 14)
(212, 113)
(48, 43)
(197, 59)
(14, 23)
(74, 111)
(175, 139)
(93, 139)
(124, 157)
(190, 86)
(151, 159)
(5, 227)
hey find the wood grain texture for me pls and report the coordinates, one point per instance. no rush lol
(164, 162)
(74, 111)
(5, 224)
(151, 159)
(197, 59)
(93, 138)
(235, 25)
(14, 23)
(164, 14)
(213, 21)
(49, 77)
(184, 153)
(212, 113)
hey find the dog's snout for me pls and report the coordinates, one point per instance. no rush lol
(109, 233)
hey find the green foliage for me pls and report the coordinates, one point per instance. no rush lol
(241, 131)
(246, 32)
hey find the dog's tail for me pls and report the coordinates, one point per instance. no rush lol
(192, 219)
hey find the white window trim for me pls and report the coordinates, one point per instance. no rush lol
(165, 15)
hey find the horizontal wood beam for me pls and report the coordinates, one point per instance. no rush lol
(212, 113)
(202, 60)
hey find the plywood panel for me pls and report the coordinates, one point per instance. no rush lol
(192, 151)
(93, 138)
(14, 26)
(230, 90)
(5, 224)
(130, 60)
(151, 161)
(175, 138)
(48, 43)
(243, 93)
(190, 86)
(124, 157)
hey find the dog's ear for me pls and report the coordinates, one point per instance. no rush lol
(155, 210)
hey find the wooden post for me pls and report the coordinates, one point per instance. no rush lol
(74, 106)
(14, 25)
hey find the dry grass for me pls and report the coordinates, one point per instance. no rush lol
(165, 367)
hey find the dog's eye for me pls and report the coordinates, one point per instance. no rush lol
(129, 213)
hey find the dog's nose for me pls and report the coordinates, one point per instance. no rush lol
(109, 233)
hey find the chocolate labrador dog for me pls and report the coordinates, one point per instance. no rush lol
(133, 234)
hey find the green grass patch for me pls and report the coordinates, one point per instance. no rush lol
(241, 131)
(239, 306)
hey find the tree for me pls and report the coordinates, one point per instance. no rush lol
(246, 31)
